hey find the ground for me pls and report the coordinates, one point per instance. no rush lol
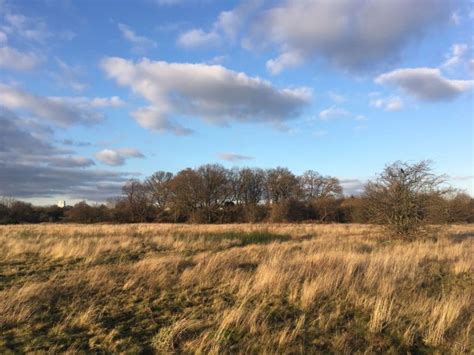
(276, 288)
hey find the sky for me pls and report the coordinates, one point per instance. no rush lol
(95, 92)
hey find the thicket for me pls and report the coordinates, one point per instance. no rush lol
(403, 197)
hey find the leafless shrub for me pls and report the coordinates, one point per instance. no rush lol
(402, 195)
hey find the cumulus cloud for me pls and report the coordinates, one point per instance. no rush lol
(353, 35)
(283, 61)
(215, 94)
(393, 103)
(117, 157)
(234, 157)
(227, 26)
(63, 111)
(333, 112)
(10, 58)
(425, 84)
(198, 38)
(140, 43)
(110, 157)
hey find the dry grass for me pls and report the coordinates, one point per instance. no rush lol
(233, 289)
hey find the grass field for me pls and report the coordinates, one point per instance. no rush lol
(234, 288)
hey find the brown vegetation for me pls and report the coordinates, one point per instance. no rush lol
(404, 197)
(276, 288)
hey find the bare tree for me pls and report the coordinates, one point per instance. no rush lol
(138, 200)
(186, 190)
(249, 186)
(159, 185)
(314, 185)
(281, 185)
(400, 197)
(216, 188)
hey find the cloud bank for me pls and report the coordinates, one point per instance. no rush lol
(32, 167)
(62, 111)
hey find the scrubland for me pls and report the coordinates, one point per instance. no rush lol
(276, 288)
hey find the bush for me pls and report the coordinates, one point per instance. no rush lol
(290, 210)
(402, 196)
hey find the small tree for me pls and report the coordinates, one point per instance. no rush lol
(400, 197)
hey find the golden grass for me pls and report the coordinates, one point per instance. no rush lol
(276, 288)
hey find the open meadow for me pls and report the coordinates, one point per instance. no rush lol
(248, 288)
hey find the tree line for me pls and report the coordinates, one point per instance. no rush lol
(403, 195)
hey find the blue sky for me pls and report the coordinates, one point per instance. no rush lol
(95, 92)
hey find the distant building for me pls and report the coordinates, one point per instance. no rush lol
(62, 204)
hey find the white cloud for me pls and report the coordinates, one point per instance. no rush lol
(425, 84)
(117, 157)
(283, 61)
(130, 152)
(110, 157)
(234, 157)
(393, 103)
(10, 58)
(198, 38)
(63, 111)
(140, 44)
(333, 112)
(227, 26)
(28, 28)
(353, 35)
(458, 55)
(3, 37)
(215, 94)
